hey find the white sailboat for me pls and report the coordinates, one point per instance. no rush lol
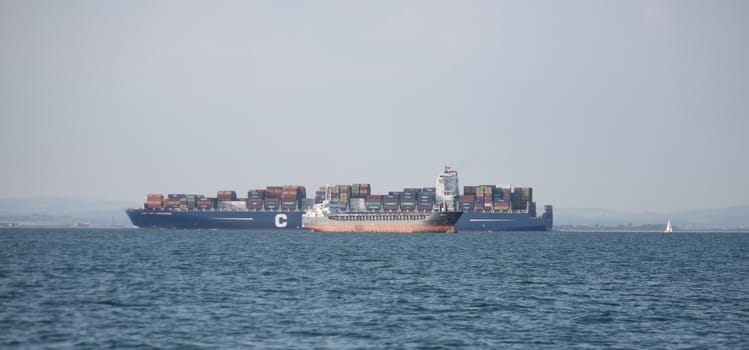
(668, 227)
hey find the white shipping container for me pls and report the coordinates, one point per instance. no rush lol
(358, 204)
(231, 205)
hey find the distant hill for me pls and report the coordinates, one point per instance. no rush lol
(726, 218)
(64, 211)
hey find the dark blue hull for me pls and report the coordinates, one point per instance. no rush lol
(224, 220)
(292, 220)
(495, 222)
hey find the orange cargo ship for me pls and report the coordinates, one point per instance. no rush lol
(329, 216)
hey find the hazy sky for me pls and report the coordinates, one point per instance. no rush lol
(623, 105)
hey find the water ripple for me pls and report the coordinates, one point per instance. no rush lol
(91, 289)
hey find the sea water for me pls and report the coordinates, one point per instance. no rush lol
(94, 289)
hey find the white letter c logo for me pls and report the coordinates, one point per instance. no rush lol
(279, 223)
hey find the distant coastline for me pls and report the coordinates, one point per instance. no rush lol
(643, 229)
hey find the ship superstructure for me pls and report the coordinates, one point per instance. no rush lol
(447, 189)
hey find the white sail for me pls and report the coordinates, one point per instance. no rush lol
(668, 227)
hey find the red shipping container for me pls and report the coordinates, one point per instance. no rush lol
(466, 198)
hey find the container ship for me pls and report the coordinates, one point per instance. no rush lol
(272, 208)
(484, 208)
(493, 208)
(487, 208)
(331, 216)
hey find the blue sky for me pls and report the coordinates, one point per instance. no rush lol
(627, 105)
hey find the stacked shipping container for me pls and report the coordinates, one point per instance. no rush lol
(358, 204)
(226, 196)
(521, 197)
(272, 198)
(291, 197)
(374, 202)
(154, 201)
(172, 201)
(495, 198)
(255, 199)
(341, 193)
(407, 199)
(467, 202)
(360, 190)
(425, 201)
(390, 202)
(357, 197)
(206, 203)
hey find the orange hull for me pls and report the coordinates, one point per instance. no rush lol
(395, 228)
